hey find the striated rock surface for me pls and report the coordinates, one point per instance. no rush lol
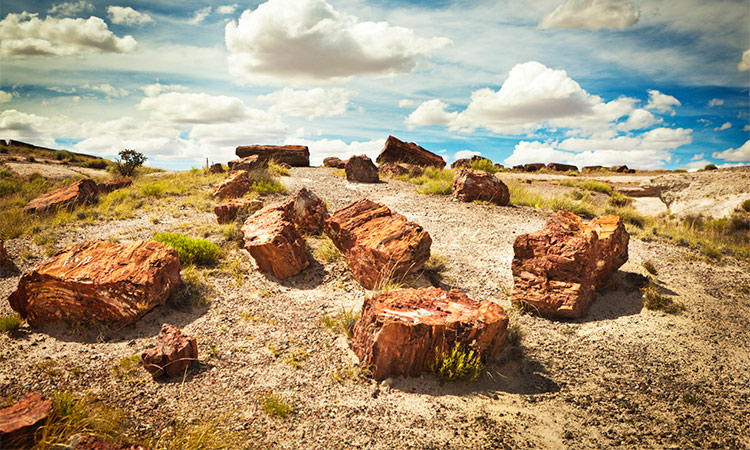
(237, 185)
(533, 167)
(612, 247)
(275, 243)
(394, 170)
(360, 169)
(470, 185)
(558, 167)
(378, 244)
(397, 151)
(113, 185)
(398, 331)
(80, 192)
(294, 155)
(98, 280)
(227, 212)
(334, 162)
(172, 355)
(19, 421)
(466, 163)
(307, 211)
(248, 164)
(621, 169)
(216, 168)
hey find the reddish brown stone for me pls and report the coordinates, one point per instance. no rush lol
(80, 192)
(294, 155)
(470, 185)
(466, 163)
(396, 151)
(216, 168)
(334, 162)
(360, 169)
(307, 211)
(620, 169)
(592, 168)
(237, 185)
(394, 170)
(248, 164)
(172, 355)
(379, 245)
(113, 185)
(612, 247)
(399, 331)
(19, 421)
(274, 242)
(227, 212)
(558, 167)
(533, 167)
(88, 442)
(98, 280)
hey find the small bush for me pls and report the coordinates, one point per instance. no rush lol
(436, 263)
(576, 194)
(680, 171)
(128, 161)
(205, 434)
(277, 170)
(484, 164)
(457, 364)
(153, 190)
(628, 215)
(649, 266)
(712, 253)
(746, 205)
(99, 164)
(434, 181)
(275, 404)
(327, 251)
(618, 200)
(656, 300)
(10, 322)
(710, 167)
(126, 368)
(436, 187)
(191, 251)
(342, 322)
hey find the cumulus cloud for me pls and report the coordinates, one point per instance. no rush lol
(308, 41)
(197, 108)
(534, 152)
(28, 127)
(637, 120)
(324, 148)
(661, 102)
(431, 112)
(70, 9)
(5, 97)
(24, 34)
(200, 15)
(152, 90)
(724, 126)
(127, 16)
(308, 103)
(226, 9)
(406, 103)
(715, 102)
(463, 154)
(107, 89)
(592, 15)
(744, 64)
(746, 128)
(741, 154)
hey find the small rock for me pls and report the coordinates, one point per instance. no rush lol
(172, 355)
(19, 421)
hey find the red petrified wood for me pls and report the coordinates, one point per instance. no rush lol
(334, 162)
(216, 168)
(379, 245)
(399, 331)
(19, 421)
(172, 355)
(249, 163)
(227, 212)
(294, 155)
(80, 192)
(307, 211)
(396, 151)
(113, 185)
(274, 242)
(470, 185)
(98, 280)
(394, 170)
(236, 185)
(360, 169)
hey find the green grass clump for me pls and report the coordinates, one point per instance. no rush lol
(205, 434)
(342, 322)
(484, 164)
(588, 185)
(618, 200)
(153, 190)
(350, 372)
(275, 404)
(10, 322)
(746, 205)
(656, 300)
(277, 170)
(190, 250)
(710, 167)
(268, 187)
(126, 368)
(628, 214)
(326, 251)
(457, 364)
(436, 262)
(434, 181)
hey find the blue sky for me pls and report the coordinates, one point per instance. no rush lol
(650, 84)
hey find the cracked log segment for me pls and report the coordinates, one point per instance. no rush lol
(172, 355)
(19, 421)
(397, 151)
(470, 185)
(98, 281)
(80, 192)
(557, 270)
(294, 155)
(399, 331)
(227, 212)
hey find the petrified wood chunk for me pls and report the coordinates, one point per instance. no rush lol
(361, 169)
(19, 421)
(294, 155)
(227, 212)
(559, 167)
(274, 242)
(334, 162)
(398, 331)
(379, 245)
(557, 270)
(98, 280)
(236, 185)
(80, 192)
(249, 164)
(172, 355)
(533, 167)
(396, 151)
(592, 168)
(113, 185)
(307, 211)
(470, 185)
(216, 168)
(394, 170)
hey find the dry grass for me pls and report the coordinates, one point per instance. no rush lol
(10, 322)
(275, 405)
(343, 322)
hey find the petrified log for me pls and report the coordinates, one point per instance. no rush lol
(274, 242)
(518, 168)
(559, 167)
(612, 247)
(396, 151)
(379, 245)
(227, 212)
(237, 185)
(394, 170)
(19, 421)
(172, 355)
(113, 185)
(294, 155)
(307, 211)
(334, 162)
(533, 167)
(470, 185)
(250, 163)
(399, 331)
(360, 169)
(216, 168)
(592, 168)
(80, 192)
(466, 163)
(98, 280)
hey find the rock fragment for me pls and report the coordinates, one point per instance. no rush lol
(360, 169)
(397, 151)
(228, 211)
(248, 164)
(173, 354)
(334, 162)
(78, 193)
(307, 211)
(274, 242)
(237, 185)
(113, 185)
(294, 155)
(470, 185)
(394, 170)
(216, 168)
(19, 421)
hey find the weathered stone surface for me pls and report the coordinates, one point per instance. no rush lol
(216, 168)
(360, 169)
(80, 192)
(237, 185)
(396, 151)
(378, 244)
(518, 168)
(89, 442)
(533, 167)
(394, 170)
(398, 331)
(227, 212)
(557, 270)
(172, 355)
(559, 167)
(592, 168)
(621, 169)
(274, 242)
(334, 162)
(19, 421)
(294, 155)
(250, 163)
(466, 163)
(113, 185)
(98, 280)
(470, 185)
(307, 211)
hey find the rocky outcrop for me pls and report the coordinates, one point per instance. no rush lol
(294, 155)
(98, 281)
(558, 167)
(227, 212)
(393, 170)
(82, 191)
(113, 185)
(621, 169)
(307, 211)
(533, 167)
(19, 421)
(557, 270)
(216, 168)
(334, 162)
(518, 168)
(466, 163)
(592, 168)
(399, 331)
(248, 164)
(237, 185)
(379, 245)
(360, 169)
(470, 185)
(396, 151)
(172, 355)
(275, 243)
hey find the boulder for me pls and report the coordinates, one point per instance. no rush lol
(559, 167)
(90, 442)
(216, 168)
(470, 185)
(399, 331)
(396, 151)
(466, 163)
(274, 242)
(334, 162)
(360, 169)
(82, 191)
(19, 421)
(294, 155)
(307, 211)
(619, 169)
(248, 164)
(98, 280)
(394, 170)
(557, 270)
(378, 244)
(533, 167)
(518, 168)
(227, 212)
(592, 168)
(172, 355)
(237, 185)
(113, 185)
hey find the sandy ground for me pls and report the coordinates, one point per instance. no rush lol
(621, 377)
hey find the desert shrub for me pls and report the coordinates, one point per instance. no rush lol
(350, 372)
(206, 434)
(153, 190)
(277, 170)
(341, 173)
(268, 187)
(457, 364)
(596, 186)
(710, 167)
(680, 171)
(342, 322)
(514, 335)
(576, 194)
(656, 300)
(436, 262)
(190, 250)
(10, 322)
(128, 161)
(275, 404)
(99, 164)
(619, 200)
(484, 164)
(126, 369)
(712, 253)
(628, 215)
(650, 267)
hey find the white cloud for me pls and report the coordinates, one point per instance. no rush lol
(661, 102)
(107, 89)
(656, 139)
(200, 15)
(535, 152)
(309, 104)
(308, 40)
(746, 128)
(27, 127)
(697, 165)
(715, 102)
(592, 15)
(698, 156)
(406, 103)
(324, 148)
(226, 9)
(741, 154)
(25, 34)
(462, 154)
(70, 9)
(724, 126)
(637, 120)
(179, 107)
(5, 97)
(152, 90)
(127, 16)
(431, 112)
(744, 64)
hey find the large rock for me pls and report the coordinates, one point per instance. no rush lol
(98, 280)
(470, 185)
(249, 164)
(237, 185)
(394, 170)
(398, 331)
(379, 245)
(533, 167)
(19, 421)
(396, 151)
(274, 242)
(334, 162)
(80, 192)
(227, 212)
(216, 168)
(113, 185)
(360, 169)
(307, 211)
(294, 155)
(559, 167)
(466, 163)
(557, 270)
(172, 355)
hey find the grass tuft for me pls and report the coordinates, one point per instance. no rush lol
(351, 372)
(326, 251)
(342, 322)
(434, 181)
(436, 263)
(457, 364)
(656, 300)
(190, 250)
(126, 368)
(484, 164)
(275, 404)
(210, 434)
(10, 322)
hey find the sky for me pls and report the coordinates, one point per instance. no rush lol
(659, 84)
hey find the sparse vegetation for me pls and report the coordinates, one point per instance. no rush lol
(436, 263)
(10, 322)
(128, 162)
(204, 434)
(277, 170)
(484, 164)
(618, 200)
(655, 299)
(339, 173)
(457, 364)
(710, 167)
(324, 250)
(127, 368)
(434, 181)
(351, 372)
(588, 185)
(514, 335)
(191, 251)
(650, 267)
(275, 404)
(342, 322)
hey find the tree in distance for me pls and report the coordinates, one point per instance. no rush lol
(129, 160)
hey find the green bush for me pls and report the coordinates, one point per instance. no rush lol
(128, 161)
(99, 164)
(10, 322)
(746, 205)
(190, 251)
(484, 164)
(275, 404)
(457, 364)
(710, 167)
(656, 300)
(434, 181)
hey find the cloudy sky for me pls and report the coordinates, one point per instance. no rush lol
(650, 84)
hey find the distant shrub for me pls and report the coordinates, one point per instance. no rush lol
(457, 364)
(680, 171)
(190, 251)
(98, 164)
(746, 205)
(596, 186)
(30, 159)
(576, 194)
(710, 167)
(10, 322)
(153, 190)
(128, 161)
(484, 164)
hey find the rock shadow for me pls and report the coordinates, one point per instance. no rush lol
(621, 297)
(195, 369)
(311, 277)
(9, 269)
